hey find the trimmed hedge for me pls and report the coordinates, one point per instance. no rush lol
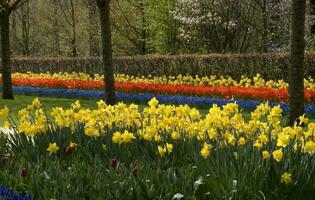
(270, 66)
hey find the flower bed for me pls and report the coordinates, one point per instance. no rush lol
(162, 152)
(144, 97)
(259, 93)
(229, 90)
(256, 81)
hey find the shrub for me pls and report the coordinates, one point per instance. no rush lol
(270, 66)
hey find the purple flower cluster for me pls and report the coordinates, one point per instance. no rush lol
(8, 194)
(145, 97)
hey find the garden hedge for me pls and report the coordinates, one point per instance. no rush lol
(270, 66)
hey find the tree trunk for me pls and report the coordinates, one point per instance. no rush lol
(7, 92)
(296, 60)
(104, 9)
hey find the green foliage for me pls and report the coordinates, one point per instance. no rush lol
(47, 28)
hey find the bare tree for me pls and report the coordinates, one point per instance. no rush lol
(93, 28)
(296, 60)
(68, 10)
(132, 27)
(6, 8)
(312, 15)
(24, 19)
(14, 33)
(55, 27)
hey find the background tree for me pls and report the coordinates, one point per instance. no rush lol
(130, 24)
(68, 28)
(237, 26)
(93, 28)
(104, 11)
(312, 17)
(163, 29)
(296, 60)
(71, 28)
(28, 38)
(6, 8)
(55, 28)
(69, 12)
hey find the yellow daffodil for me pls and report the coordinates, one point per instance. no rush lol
(309, 147)
(169, 148)
(153, 102)
(76, 105)
(52, 148)
(258, 144)
(4, 112)
(117, 138)
(127, 137)
(265, 155)
(104, 147)
(205, 151)
(286, 178)
(263, 138)
(161, 150)
(175, 135)
(283, 140)
(241, 141)
(36, 103)
(277, 155)
(73, 144)
(303, 120)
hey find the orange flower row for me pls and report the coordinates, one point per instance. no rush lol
(262, 93)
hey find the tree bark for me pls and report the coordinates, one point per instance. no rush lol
(104, 10)
(296, 60)
(7, 91)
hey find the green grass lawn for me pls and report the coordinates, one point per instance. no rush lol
(21, 101)
(48, 102)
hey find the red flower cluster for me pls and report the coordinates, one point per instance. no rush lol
(262, 93)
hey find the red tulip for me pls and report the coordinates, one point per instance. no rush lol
(24, 172)
(69, 150)
(114, 163)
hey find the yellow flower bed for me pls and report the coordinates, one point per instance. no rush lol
(166, 124)
(256, 81)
